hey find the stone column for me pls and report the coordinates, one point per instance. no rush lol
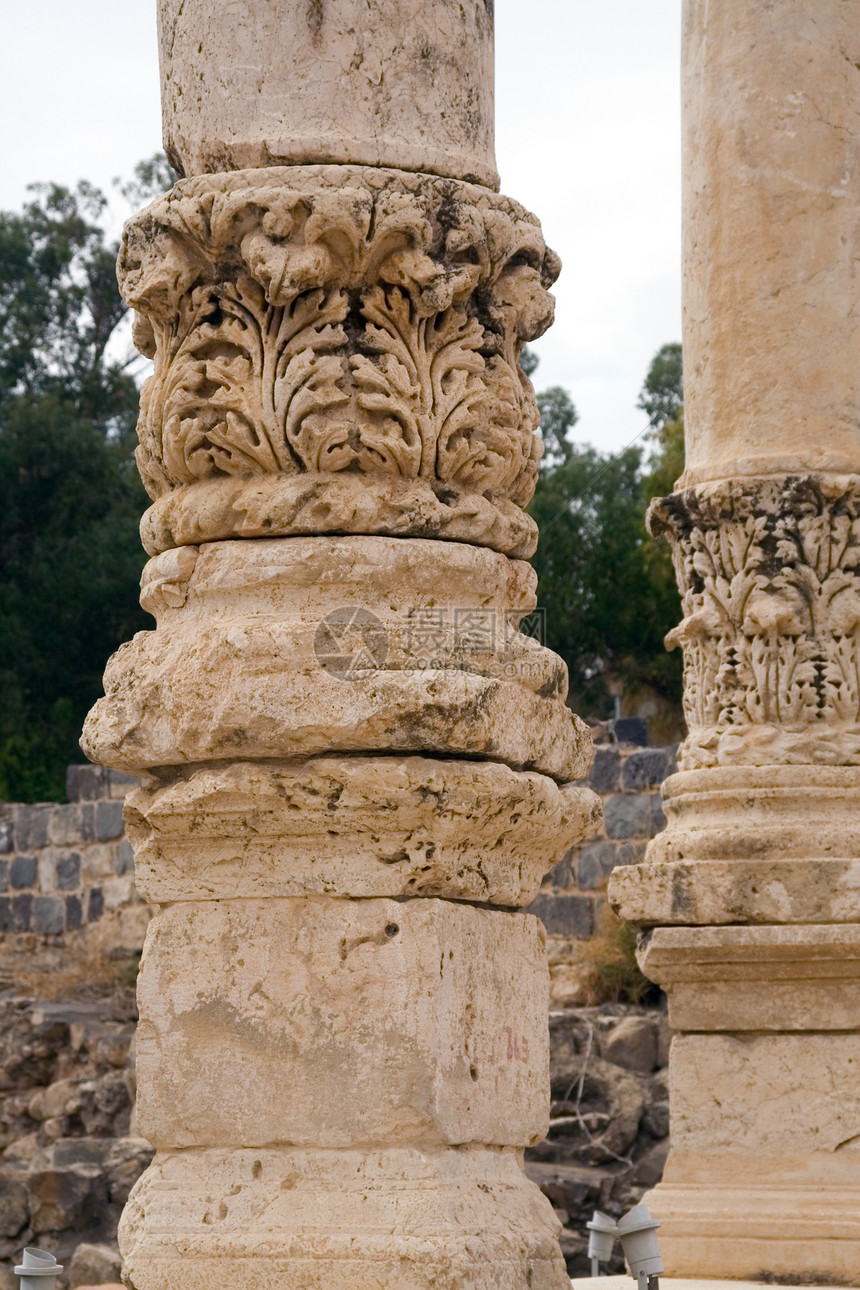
(752, 893)
(355, 766)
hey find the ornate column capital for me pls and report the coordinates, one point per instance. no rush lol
(336, 350)
(769, 572)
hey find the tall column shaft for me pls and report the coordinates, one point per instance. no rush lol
(771, 104)
(355, 766)
(751, 896)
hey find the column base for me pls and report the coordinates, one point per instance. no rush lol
(750, 844)
(759, 1219)
(399, 1219)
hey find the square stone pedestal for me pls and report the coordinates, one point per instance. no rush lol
(763, 1179)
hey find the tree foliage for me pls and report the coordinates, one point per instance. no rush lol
(70, 497)
(608, 588)
(662, 394)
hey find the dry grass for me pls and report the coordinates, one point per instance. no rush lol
(77, 970)
(607, 963)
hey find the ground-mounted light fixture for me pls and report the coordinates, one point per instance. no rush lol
(38, 1270)
(637, 1231)
(602, 1231)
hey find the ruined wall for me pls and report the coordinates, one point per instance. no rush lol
(65, 866)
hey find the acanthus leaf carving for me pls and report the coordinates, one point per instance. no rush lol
(769, 572)
(338, 320)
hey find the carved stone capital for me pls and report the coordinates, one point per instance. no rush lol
(769, 572)
(337, 325)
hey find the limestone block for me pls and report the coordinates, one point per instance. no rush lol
(760, 813)
(295, 646)
(302, 579)
(763, 844)
(758, 891)
(354, 826)
(771, 138)
(398, 83)
(748, 1216)
(788, 978)
(331, 1022)
(778, 1094)
(397, 1219)
(173, 698)
(235, 506)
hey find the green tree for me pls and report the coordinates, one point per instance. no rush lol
(70, 497)
(608, 588)
(662, 393)
(662, 397)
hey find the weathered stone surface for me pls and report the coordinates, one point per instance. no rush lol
(305, 1219)
(757, 1214)
(93, 1265)
(632, 1044)
(58, 1099)
(646, 768)
(14, 1204)
(23, 871)
(595, 864)
(565, 915)
(650, 1166)
(70, 1197)
(772, 126)
(48, 916)
(69, 871)
(125, 1162)
(306, 645)
(780, 1093)
(597, 1116)
(604, 774)
(414, 85)
(321, 1022)
(108, 821)
(757, 891)
(632, 816)
(768, 844)
(355, 826)
(766, 569)
(31, 826)
(791, 978)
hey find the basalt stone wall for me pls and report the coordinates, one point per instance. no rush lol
(65, 866)
(627, 776)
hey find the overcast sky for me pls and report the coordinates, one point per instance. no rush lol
(587, 136)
